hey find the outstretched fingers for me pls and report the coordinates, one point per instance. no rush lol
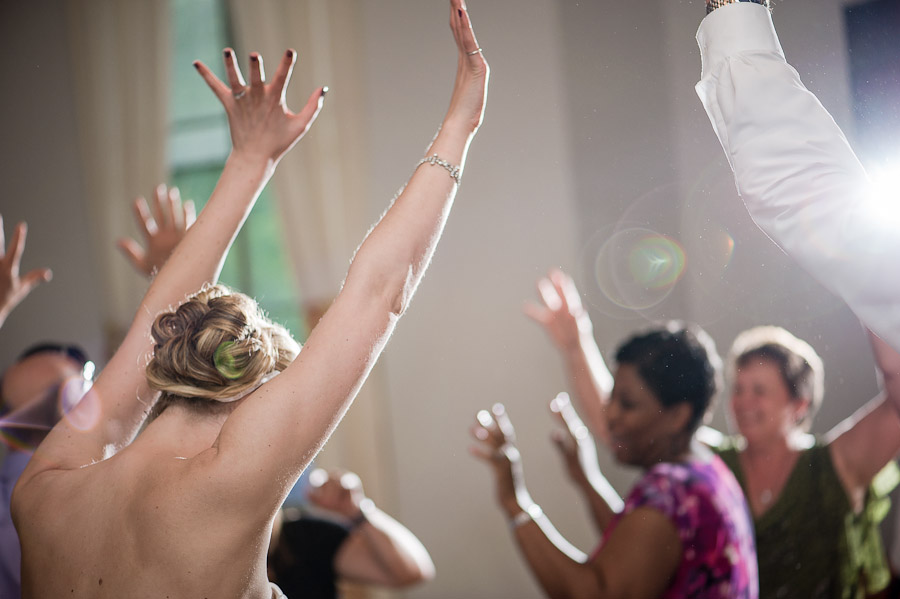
(233, 72)
(175, 215)
(463, 32)
(161, 211)
(550, 295)
(16, 247)
(283, 73)
(145, 221)
(34, 278)
(566, 289)
(307, 116)
(539, 314)
(132, 251)
(257, 72)
(189, 214)
(562, 407)
(215, 84)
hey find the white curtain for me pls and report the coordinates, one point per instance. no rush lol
(320, 186)
(121, 56)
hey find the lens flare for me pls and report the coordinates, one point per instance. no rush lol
(637, 268)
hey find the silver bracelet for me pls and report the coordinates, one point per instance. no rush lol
(712, 5)
(437, 161)
(533, 512)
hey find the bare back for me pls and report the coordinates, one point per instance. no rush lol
(140, 524)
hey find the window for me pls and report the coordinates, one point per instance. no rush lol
(198, 146)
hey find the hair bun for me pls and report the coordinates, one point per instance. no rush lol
(217, 343)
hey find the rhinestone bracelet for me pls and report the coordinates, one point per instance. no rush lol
(436, 161)
(712, 5)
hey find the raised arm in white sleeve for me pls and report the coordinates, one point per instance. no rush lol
(800, 180)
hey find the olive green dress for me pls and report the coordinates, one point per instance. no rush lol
(809, 543)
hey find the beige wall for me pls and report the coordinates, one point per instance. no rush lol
(41, 183)
(592, 124)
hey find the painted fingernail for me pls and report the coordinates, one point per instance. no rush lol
(254, 57)
(196, 64)
(290, 53)
(227, 52)
(459, 10)
(324, 91)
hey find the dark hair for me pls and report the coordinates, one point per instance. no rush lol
(72, 351)
(678, 363)
(798, 363)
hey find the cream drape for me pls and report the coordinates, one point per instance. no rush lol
(121, 56)
(320, 185)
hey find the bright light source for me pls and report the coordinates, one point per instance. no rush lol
(885, 190)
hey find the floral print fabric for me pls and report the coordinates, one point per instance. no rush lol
(705, 503)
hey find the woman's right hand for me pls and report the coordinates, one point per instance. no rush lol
(497, 447)
(261, 124)
(574, 441)
(472, 73)
(13, 287)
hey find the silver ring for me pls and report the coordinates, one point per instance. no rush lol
(474, 52)
(241, 94)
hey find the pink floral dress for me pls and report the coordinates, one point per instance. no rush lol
(705, 503)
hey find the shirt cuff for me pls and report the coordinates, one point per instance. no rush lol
(734, 29)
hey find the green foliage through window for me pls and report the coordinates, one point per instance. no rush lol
(199, 144)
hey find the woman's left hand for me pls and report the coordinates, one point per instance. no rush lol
(497, 447)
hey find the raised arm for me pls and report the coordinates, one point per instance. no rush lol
(13, 287)
(276, 431)
(800, 180)
(579, 453)
(379, 550)
(262, 130)
(865, 442)
(162, 230)
(637, 559)
(569, 326)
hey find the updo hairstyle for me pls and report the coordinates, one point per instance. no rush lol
(679, 364)
(214, 346)
(797, 362)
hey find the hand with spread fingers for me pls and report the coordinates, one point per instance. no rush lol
(339, 492)
(497, 447)
(568, 324)
(261, 123)
(13, 287)
(560, 313)
(162, 230)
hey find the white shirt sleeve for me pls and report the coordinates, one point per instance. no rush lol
(793, 167)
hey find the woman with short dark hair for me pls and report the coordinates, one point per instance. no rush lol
(685, 529)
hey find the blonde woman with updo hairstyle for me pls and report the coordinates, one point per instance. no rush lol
(215, 348)
(185, 509)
